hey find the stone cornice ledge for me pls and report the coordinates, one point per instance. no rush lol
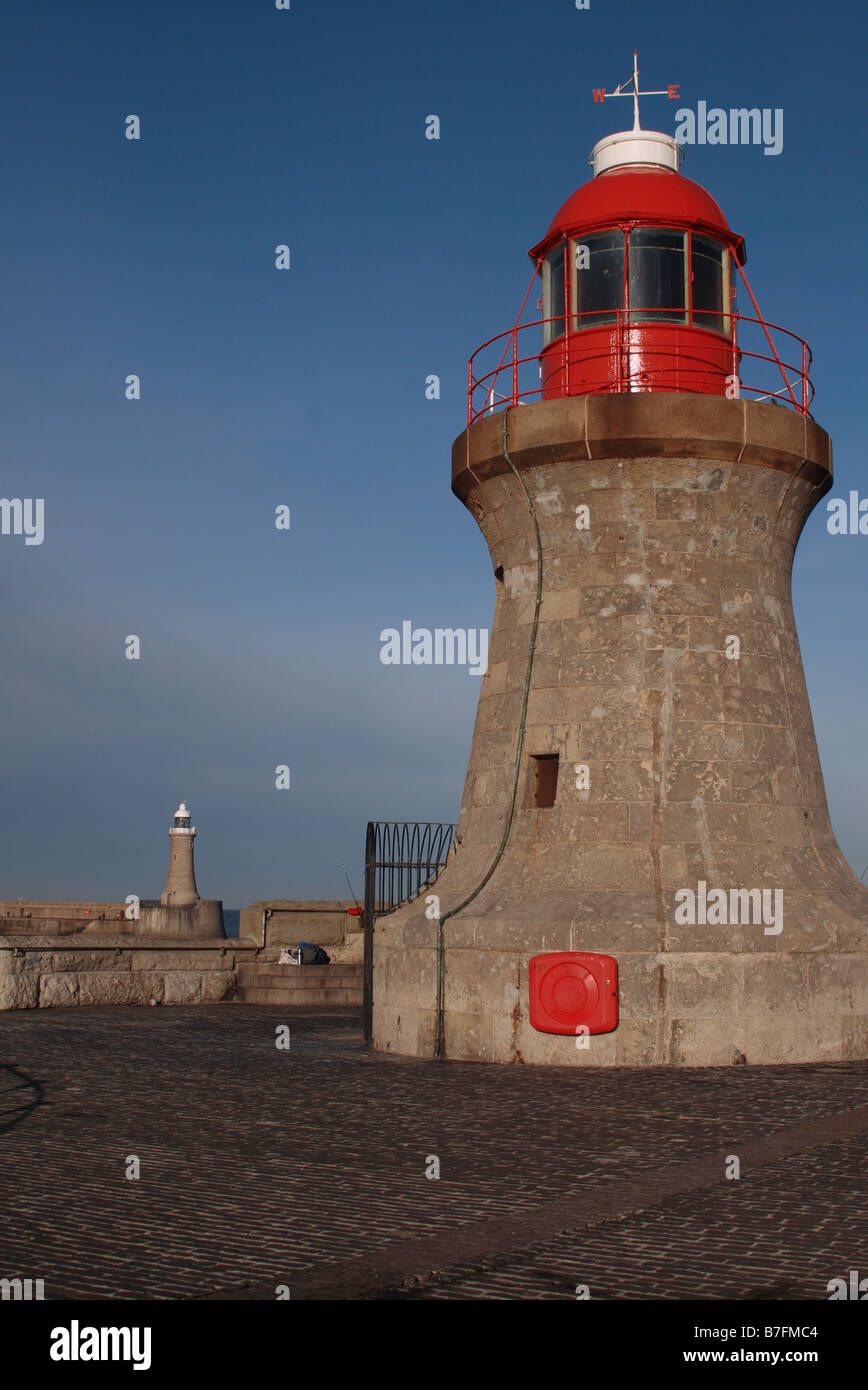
(643, 425)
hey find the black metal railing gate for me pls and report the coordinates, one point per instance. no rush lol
(402, 858)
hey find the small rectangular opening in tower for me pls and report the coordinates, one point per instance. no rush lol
(545, 778)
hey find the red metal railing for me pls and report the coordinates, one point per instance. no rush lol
(514, 379)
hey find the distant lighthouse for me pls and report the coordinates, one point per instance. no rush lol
(181, 890)
(645, 871)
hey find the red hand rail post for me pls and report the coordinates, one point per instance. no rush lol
(565, 366)
(761, 320)
(804, 378)
(515, 365)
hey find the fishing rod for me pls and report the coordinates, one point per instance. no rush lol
(356, 901)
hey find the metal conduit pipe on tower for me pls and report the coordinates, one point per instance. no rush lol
(441, 950)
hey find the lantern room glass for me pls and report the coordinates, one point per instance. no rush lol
(554, 300)
(657, 280)
(707, 262)
(598, 278)
(672, 276)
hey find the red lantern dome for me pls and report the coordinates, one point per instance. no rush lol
(638, 272)
(640, 195)
(637, 283)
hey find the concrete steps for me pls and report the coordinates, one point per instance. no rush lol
(304, 986)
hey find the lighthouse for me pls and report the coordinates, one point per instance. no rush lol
(645, 872)
(180, 889)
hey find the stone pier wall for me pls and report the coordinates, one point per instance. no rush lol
(50, 972)
(330, 924)
(200, 919)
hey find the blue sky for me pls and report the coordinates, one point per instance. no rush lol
(307, 388)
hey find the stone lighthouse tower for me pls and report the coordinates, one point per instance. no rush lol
(181, 890)
(645, 871)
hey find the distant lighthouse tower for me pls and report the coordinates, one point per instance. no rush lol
(645, 870)
(181, 890)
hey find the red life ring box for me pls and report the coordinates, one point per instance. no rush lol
(573, 989)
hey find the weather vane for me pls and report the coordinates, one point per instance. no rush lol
(630, 88)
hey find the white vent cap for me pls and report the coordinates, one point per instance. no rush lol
(636, 147)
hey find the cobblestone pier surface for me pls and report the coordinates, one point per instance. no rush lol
(307, 1167)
